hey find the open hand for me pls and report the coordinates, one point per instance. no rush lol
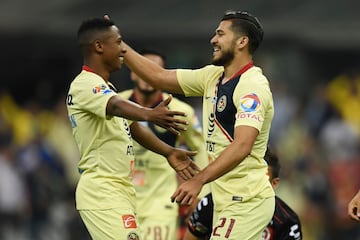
(187, 192)
(165, 118)
(181, 162)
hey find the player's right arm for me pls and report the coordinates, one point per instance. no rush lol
(160, 115)
(155, 75)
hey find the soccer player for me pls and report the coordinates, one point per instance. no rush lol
(285, 224)
(354, 207)
(154, 180)
(237, 114)
(105, 195)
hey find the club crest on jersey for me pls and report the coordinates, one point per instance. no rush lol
(221, 104)
(250, 102)
(102, 89)
(133, 236)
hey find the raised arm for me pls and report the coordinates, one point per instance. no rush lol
(155, 75)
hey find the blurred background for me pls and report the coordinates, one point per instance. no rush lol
(310, 53)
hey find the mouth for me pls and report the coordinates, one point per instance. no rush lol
(216, 49)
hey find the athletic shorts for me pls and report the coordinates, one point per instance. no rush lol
(245, 220)
(159, 227)
(111, 224)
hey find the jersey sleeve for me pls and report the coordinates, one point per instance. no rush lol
(252, 101)
(93, 96)
(193, 82)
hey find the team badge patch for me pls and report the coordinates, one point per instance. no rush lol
(133, 236)
(102, 89)
(129, 221)
(250, 102)
(221, 104)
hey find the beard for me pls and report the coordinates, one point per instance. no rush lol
(225, 59)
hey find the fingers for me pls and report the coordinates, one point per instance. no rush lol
(185, 174)
(195, 168)
(182, 198)
(188, 172)
(107, 17)
(177, 113)
(191, 153)
(167, 101)
(354, 213)
(173, 130)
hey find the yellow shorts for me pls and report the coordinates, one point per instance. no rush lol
(159, 227)
(245, 220)
(111, 224)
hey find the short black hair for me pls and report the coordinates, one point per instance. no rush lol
(89, 29)
(245, 22)
(273, 161)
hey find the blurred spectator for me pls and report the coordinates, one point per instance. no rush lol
(13, 197)
(343, 93)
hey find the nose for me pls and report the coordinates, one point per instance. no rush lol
(213, 39)
(123, 51)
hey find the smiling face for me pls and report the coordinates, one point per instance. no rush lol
(112, 50)
(224, 42)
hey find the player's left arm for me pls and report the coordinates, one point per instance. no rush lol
(179, 159)
(233, 155)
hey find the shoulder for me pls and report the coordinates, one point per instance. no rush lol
(208, 70)
(87, 81)
(255, 73)
(284, 212)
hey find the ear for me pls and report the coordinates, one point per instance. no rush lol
(275, 182)
(242, 41)
(98, 46)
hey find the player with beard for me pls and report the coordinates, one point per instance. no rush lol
(154, 180)
(237, 114)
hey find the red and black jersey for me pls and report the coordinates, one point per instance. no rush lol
(285, 224)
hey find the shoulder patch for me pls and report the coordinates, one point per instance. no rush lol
(102, 89)
(250, 102)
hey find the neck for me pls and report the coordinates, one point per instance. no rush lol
(234, 67)
(98, 69)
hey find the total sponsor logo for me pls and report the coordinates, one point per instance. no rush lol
(250, 102)
(248, 116)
